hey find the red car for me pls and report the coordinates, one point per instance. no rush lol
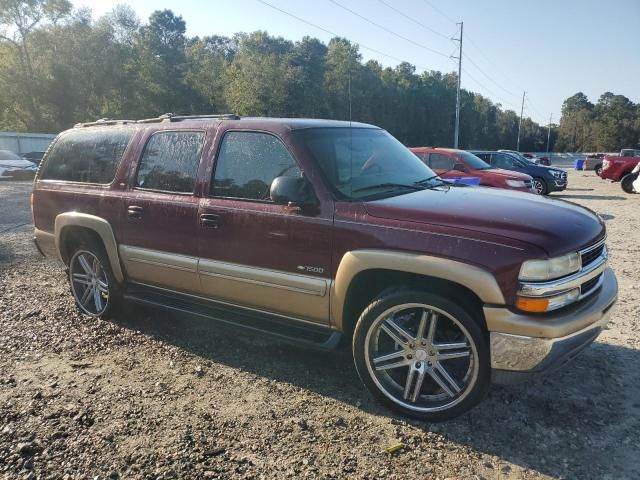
(451, 164)
(617, 167)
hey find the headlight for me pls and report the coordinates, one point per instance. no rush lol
(547, 304)
(540, 270)
(516, 183)
(556, 173)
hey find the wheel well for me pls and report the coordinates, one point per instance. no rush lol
(370, 284)
(71, 237)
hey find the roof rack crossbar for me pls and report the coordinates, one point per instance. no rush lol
(167, 117)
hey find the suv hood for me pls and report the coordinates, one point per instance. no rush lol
(555, 226)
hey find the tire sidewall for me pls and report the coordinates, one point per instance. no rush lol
(383, 303)
(114, 290)
(626, 183)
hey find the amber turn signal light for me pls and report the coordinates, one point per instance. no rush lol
(535, 305)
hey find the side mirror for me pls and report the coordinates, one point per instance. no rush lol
(459, 167)
(292, 191)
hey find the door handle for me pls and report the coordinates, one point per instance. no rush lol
(134, 211)
(210, 220)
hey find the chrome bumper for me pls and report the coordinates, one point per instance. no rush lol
(523, 345)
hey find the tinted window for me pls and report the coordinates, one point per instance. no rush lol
(438, 161)
(247, 164)
(473, 161)
(502, 160)
(483, 156)
(422, 156)
(170, 161)
(87, 155)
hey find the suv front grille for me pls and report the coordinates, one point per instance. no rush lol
(586, 287)
(563, 176)
(592, 254)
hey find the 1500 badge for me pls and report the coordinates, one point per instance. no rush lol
(310, 269)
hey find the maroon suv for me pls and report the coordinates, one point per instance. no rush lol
(313, 230)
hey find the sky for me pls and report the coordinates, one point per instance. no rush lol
(549, 49)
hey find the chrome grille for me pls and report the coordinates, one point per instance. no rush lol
(591, 254)
(586, 287)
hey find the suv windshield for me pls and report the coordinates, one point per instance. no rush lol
(365, 162)
(472, 161)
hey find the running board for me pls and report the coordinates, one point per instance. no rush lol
(282, 328)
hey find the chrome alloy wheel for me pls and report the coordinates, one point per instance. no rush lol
(538, 186)
(89, 283)
(421, 357)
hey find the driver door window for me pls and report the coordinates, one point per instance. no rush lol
(438, 161)
(247, 164)
(501, 160)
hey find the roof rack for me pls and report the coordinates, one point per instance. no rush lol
(167, 117)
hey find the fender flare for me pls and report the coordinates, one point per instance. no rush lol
(100, 226)
(479, 281)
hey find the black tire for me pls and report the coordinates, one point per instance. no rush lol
(475, 381)
(627, 181)
(598, 169)
(112, 298)
(540, 186)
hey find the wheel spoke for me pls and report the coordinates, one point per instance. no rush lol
(433, 324)
(389, 366)
(409, 382)
(444, 379)
(452, 355)
(418, 387)
(97, 299)
(103, 287)
(395, 331)
(96, 266)
(86, 295)
(450, 346)
(422, 325)
(85, 265)
(389, 356)
(81, 278)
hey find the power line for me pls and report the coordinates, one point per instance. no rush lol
(429, 49)
(487, 90)
(439, 11)
(488, 77)
(337, 35)
(411, 19)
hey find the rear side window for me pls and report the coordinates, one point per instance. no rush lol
(87, 155)
(170, 162)
(438, 161)
(247, 164)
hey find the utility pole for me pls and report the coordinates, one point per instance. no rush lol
(459, 58)
(520, 123)
(549, 133)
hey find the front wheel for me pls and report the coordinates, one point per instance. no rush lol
(421, 355)
(598, 170)
(539, 186)
(627, 182)
(93, 285)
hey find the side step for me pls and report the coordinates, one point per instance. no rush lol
(289, 330)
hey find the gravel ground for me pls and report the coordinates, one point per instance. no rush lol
(153, 395)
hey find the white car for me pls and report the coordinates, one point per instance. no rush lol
(13, 167)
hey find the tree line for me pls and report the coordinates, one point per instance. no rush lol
(60, 66)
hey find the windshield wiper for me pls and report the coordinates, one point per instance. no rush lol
(416, 186)
(433, 177)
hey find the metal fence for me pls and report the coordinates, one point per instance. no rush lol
(22, 143)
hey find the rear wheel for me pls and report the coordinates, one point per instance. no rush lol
(421, 355)
(93, 285)
(627, 182)
(539, 186)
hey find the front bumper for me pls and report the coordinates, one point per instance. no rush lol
(557, 185)
(525, 346)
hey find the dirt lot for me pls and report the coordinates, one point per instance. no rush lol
(157, 396)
